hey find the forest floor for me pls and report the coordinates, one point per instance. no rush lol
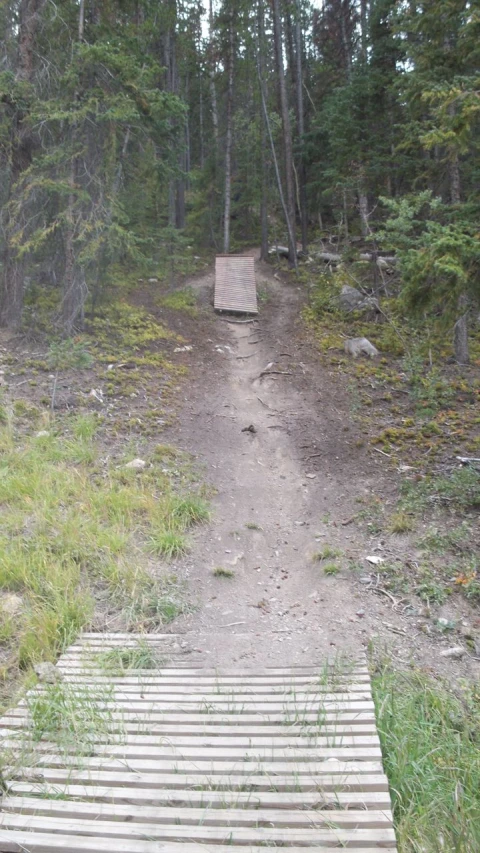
(301, 502)
(299, 558)
(246, 486)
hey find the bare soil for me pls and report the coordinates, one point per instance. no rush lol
(274, 430)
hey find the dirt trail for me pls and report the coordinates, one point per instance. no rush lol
(295, 478)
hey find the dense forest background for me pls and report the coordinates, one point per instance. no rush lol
(137, 133)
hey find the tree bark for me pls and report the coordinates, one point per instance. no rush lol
(462, 354)
(287, 134)
(229, 136)
(263, 146)
(211, 74)
(22, 145)
(301, 126)
(74, 284)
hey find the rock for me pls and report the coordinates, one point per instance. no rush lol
(152, 280)
(360, 614)
(249, 428)
(47, 673)
(186, 348)
(351, 299)
(446, 624)
(136, 464)
(365, 580)
(375, 561)
(360, 346)
(43, 433)
(455, 652)
(11, 604)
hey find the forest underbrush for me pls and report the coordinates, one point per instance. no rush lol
(419, 410)
(93, 506)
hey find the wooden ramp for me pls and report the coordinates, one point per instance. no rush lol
(183, 759)
(235, 286)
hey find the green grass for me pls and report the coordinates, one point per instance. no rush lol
(180, 300)
(460, 491)
(327, 553)
(221, 572)
(118, 660)
(431, 756)
(74, 530)
(331, 569)
(401, 522)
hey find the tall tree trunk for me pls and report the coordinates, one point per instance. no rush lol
(301, 125)
(211, 74)
(263, 144)
(22, 146)
(229, 137)
(462, 354)
(263, 98)
(363, 29)
(287, 134)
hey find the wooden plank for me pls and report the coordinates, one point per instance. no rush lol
(334, 836)
(27, 842)
(226, 767)
(189, 732)
(237, 703)
(280, 757)
(343, 818)
(149, 677)
(341, 712)
(178, 742)
(120, 795)
(163, 754)
(333, 778)
(189, 692)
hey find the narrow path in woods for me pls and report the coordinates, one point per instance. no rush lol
(284, 490)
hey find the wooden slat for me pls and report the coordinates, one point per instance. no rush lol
(231, 761)
(333, 837)
(191, 732)
(235, 286)
(329, 780)
(191, 798)
(26, 842)
(179, 766)
(345, 818)
(186, 744)
(271, 755)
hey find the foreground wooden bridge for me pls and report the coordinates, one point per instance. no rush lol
(126, 753)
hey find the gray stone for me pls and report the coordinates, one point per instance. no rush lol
(360, 346)
(351, 299)
(47, 672)
(455, 652)
(11, 604)
(136, 464)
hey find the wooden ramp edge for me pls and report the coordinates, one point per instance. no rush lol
(153, 752)
(235, 285)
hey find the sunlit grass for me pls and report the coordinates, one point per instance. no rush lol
(73, 528)
(430, 751)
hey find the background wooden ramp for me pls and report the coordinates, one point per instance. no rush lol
(235, 285)
(184, 758)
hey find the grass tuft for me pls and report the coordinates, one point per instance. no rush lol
(117, 661)
(431, 757)
(74, 531)
(221, 572)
